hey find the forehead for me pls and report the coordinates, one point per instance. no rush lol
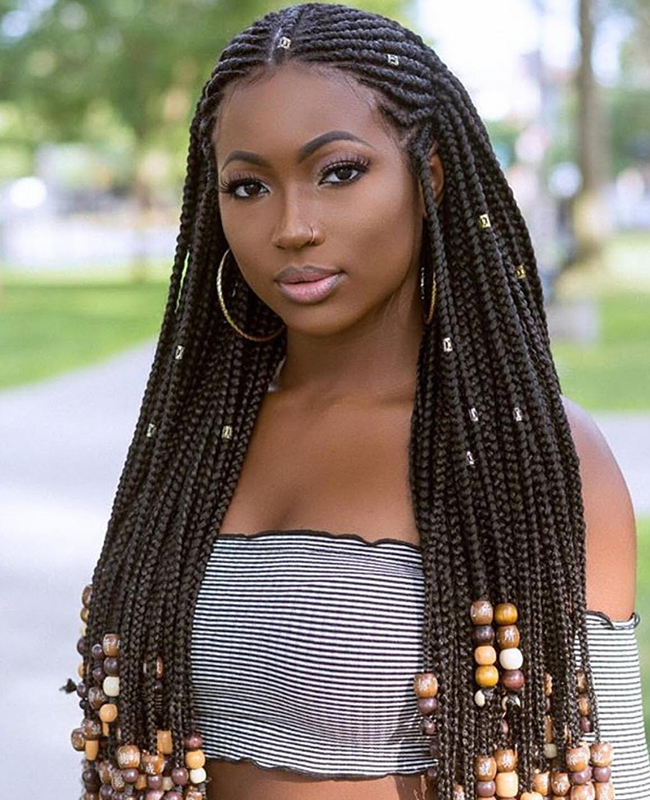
(288, 105)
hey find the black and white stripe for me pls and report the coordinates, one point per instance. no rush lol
(304, 648)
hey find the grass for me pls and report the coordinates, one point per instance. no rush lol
(47, 328)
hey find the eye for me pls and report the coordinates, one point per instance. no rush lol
(233, 186)
(343, 169)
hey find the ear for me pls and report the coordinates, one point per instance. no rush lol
(437, 178)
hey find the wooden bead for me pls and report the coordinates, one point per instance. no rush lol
(585, 791)
(425, 684)
(130, 775)
(483, 634)
(180, 776)
(81, 671)
(428, 726)
(193, 741)
(581, 776)
(481, 612)
(577, 758)
(506, 760)
(602, 774)
(194, 759)
(512, 680)
(193, 794)
(560, 783)
(164, 742)
(111, 686)
(167, 784)
(198, 775)
(153, 763)
(97, 698)
(585, 724)
(485, 654)
(485, 768)
(78, 739)
(508, 636)
(602, 754)
(542, 782)
(548, 684)
(507, 784)
(86, 595)
(485, 788)
(111, 665)
(479, 698)
(584, 706)
(428, 705)
(549, 729)
(604, 791)
(487, 676)
(91, 749)
(108, 712)
(111, 644)
(128, 756)
(154, 781)
(550, 750)
(531, 796)
(458, 792)
(581, 680)
(106, 729)
(92, 728)
(505, 614)
(141, 783)
(511, 658)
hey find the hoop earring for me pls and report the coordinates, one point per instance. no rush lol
(428, 317)
(226, 313)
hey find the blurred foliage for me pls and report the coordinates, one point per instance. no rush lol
(130, 71)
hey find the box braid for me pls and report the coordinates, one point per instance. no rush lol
(493, 470)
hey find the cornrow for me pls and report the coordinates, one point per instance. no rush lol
(493, 470)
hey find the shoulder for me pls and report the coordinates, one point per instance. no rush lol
(609, 518)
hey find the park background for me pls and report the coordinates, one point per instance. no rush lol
(95, 102)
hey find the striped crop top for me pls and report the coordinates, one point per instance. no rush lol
(304, 648)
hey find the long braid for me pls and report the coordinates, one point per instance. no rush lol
(493, 471)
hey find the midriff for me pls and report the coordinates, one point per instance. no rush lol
(246, 781)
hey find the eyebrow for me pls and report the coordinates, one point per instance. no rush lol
(305, 151)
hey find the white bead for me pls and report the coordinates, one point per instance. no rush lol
(473, 414)
(198, 775)
(284, 42)
(111, 686)
(470, 458)
(518, 414)
(446, 344)
(479, 699)
(393, 59)
(82, 629)
(511, 658)
(550, 750)
(150, 430)
(179, 352)
(167, 784)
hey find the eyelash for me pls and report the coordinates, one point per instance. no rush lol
(358, 163)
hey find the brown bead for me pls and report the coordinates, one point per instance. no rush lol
(487, 676)
(82, 646)
(108, 712)
(96, 697)
(549, 729)
(548, 684)
(91, 749)
(153, 764)
(481, 612)
(155, 781)
(428, 726)
(130, 775)
(92, 728)
(193, 741)
(485, 654)
(505, 614)
(86, 595)
(458, 792)
(180, 776)
(428, 705)
(485, 788)
(164, 742)
(81, 670)
(581, 776)
(585, 725)
(507, 784)
(112, 666)
(604, 791)
(78, 739)
(584, 706)
(506, 760)
(584, 791)
(602, 774)
(84, 614)
(508, 636)
(425, 684)
(111, 644)
(577, 758)
(531, 796)
(141, 783)
(512, 679)
(602, 754)
(542, 782)
(504, 727)
(98, 675)
(483, 634)
(128, 756)
(117, 781)
(106, 729)
(193, 794)
(104, 771)
(194, 759)
(485, 768)
(560, 783)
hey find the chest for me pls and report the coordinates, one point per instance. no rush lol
(343, 469)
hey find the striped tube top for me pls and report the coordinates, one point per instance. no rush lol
(304, 648)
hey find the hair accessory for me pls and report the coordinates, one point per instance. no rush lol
(179, 352)
(226, 313)
(446, 344)
(521, 272)
(285, 42)
(484, 219)
(470, 458)
(473, 414)
(151, 428)
(226, 432)
(393, 59)
(517, 414)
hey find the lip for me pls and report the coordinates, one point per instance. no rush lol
(311, 291)
(309, 272)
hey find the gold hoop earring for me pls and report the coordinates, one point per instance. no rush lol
(226, 313)
(429, 316)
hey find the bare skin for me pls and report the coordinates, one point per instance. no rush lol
(329, 448)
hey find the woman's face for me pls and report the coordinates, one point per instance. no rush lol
(301, 155)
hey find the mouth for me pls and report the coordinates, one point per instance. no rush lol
(312, 289)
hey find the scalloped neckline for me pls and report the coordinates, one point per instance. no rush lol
(327, 534)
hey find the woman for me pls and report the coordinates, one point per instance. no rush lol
(359, 527)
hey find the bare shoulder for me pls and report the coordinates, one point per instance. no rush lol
(609, 518)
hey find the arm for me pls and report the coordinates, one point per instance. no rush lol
(609, 518)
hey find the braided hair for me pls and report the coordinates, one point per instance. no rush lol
(493, 470)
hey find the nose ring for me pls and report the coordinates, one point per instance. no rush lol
(311, 241)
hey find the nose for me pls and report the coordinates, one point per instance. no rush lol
(293, 231)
